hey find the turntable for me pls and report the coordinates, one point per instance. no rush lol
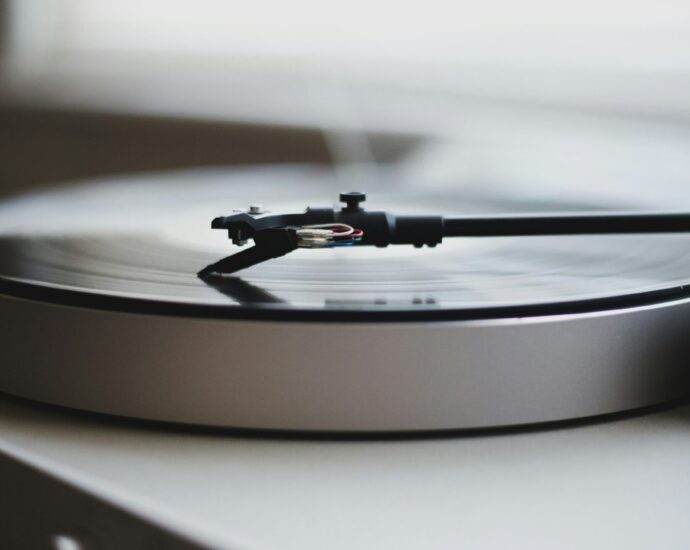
(103, 310)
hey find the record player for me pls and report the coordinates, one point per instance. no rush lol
(103, 309)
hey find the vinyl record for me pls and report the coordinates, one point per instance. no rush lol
(138, 243)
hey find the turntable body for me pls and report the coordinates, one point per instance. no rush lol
(110, 317)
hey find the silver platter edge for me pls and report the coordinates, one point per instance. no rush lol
(345, 377)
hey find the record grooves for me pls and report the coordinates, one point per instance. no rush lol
(264, 309)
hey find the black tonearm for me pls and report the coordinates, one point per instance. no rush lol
(275, 235)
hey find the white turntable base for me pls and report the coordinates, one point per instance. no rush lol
(618, 484)
(345, 377)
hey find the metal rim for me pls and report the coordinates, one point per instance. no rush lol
(347, 377)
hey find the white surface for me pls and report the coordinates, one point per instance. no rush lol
(619, 484)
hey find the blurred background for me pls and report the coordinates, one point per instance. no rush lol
(567, 97)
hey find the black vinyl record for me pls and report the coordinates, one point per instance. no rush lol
(137, 242)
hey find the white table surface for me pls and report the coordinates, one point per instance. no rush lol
(624, 483)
